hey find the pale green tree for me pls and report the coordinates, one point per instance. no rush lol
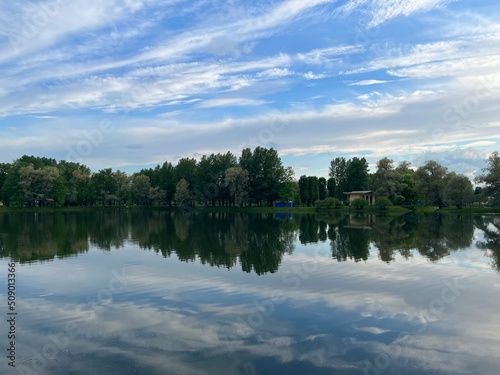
(236, 180)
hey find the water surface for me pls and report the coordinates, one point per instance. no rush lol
(154, 292)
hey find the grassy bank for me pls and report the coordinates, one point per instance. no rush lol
(253, 209)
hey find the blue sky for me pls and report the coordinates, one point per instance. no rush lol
(132, 83)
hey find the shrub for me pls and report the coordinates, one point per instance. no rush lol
(383, 203)
(359, 203)
(399, 200)
(329, 204)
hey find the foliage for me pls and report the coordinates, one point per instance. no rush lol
(322, 185)
(491, 179)
(382, 203)
(183, 196)
(237, 181)
(328, 204)
(359, 203)
(399, 200)
(458, 190)
(348, 175)
(431, 183)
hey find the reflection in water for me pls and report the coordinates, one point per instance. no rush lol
(491, 243)
(256, 242)
(316, 311)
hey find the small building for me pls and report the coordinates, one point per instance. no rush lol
(367, 195)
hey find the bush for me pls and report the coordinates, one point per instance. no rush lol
(383, 203)
(359, 203)
(328, 204)
(399, 200)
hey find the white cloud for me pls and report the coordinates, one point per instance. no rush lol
(367, 82)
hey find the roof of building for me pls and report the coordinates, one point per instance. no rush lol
(358, 192)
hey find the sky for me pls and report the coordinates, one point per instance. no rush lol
(129, 84)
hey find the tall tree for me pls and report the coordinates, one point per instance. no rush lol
(338, 172)
(313, 190)
(331, 186)
(183, 195)
(322, 188)
(304, 190)
(140, 189)
(237, 181)
(289, 188)
(104, 187)
(357, 174)
(266, 173)
(385, 181)
(430, 183)
(458, 190)
(491, 178)
(407, 180)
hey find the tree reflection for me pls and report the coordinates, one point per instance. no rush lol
(491, 242)
(256, 242)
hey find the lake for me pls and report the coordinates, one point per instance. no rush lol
(158, 292)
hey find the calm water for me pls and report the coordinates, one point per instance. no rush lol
(175, 293)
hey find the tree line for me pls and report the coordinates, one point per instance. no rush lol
(429, 184)
(256, 177)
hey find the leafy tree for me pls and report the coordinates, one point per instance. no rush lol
(357, 174)
(330, 184)
(266, 174)
(430, 183)
(458, 190)
(322, 188)
(304, 189)
(491, 178)
(167, 181)
(338, 173)
(289, 188)
(386, 180)
(237, 181)
(407, 181)
(183, 195)
(4, 170)
(104, 187)
(186, 169)
(313, 190)
(140, 189)
(123, 182)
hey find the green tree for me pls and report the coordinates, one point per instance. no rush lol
(237, 181)
(322, 188)
(140, 189)
(407, 180)
(491, 179)
(338, 172)
(123, 183)
(266, 173)
(458, 190)
(183, 195)
(313, 190)
(357, 174)
(386, 180)
(330, 184)
(289, 188)
(431, 182)
(104, 187)
(304, 190)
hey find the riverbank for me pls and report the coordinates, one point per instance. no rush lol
(264, 210)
